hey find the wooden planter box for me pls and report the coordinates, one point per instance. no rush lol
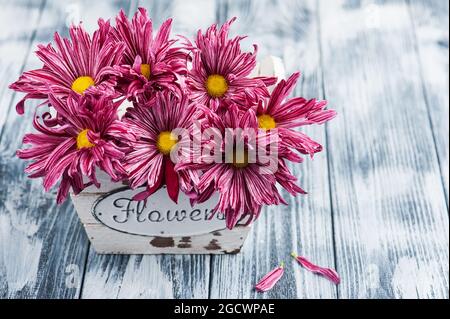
(117, 225)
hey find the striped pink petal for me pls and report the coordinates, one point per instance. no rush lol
(328, 273)
(145, 163)
(270, 279)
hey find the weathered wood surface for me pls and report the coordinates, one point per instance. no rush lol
(429, 20)
(15, 45)
(378, 203)
(43, 247)
(390, 216)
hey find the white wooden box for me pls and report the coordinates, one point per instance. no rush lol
(115, 224)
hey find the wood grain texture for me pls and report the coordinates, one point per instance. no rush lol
(43, 247)
(15, 45)
(290, 32)
(39, 240)
(379, 215)
(430, 23)
(390, 216)
(155, 276)
(137, 276)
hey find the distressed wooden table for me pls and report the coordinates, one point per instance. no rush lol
(378, 204)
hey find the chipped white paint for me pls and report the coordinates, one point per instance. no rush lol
(141, 277)
(18, 269)
(148, 276)
(413, 278)
(140, 272)
(224, 241)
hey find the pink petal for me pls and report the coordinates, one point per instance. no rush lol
(171, 177)
(63, 189)
(142, 195)
(149, 191)
(328, 273)
(269, 280)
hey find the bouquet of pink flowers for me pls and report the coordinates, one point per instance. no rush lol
(197, 121)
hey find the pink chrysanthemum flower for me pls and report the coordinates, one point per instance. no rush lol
(81, 138)
(80, 64)
(220, 71)
(150, 62)
(244, 181)
(153, 142)
(285, 115)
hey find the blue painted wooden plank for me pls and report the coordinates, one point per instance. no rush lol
(390, 216)
(43, 246)
(288, 29)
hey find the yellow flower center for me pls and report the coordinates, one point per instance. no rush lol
(240, 159)
(82, 83)
(83, 140)
(216, 85)
(266, 122)
(145, 70)
(166, 142)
